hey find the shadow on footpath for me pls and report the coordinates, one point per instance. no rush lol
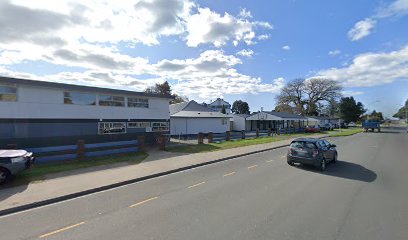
(344, 169)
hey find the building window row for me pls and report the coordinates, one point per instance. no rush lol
(120, 127)
(8, 94)
(78, 98)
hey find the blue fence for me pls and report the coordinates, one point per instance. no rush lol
(69, 152)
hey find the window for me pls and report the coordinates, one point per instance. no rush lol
(224, 121)
(138, 124)
(8, 94)
(138, 102)
(78, 98)
(296, 144)
(111, 128)
(108, 100)
(309, 145)
(160, 126)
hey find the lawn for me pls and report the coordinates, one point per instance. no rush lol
(233, 144)
(345, 132)
(38, 171)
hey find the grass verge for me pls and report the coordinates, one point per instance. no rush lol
(345, 132)
(233, 144)
(38, 171)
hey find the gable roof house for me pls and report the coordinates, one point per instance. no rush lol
(217, 105)
(192, 118)
(274, 120)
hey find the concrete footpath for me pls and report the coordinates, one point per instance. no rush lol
(79, 182)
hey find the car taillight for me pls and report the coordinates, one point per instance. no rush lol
(289, 150)
(315, 153)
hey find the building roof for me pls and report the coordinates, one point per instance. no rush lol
(73, 87)
(220, 102)
(286, 115)
(242, 115)
(193, 109)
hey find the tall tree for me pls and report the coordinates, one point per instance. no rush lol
(240, 107)
(307, 96)
(284, 108)
(223, 109)
(350, 111)
(402, 112)
(165, 89)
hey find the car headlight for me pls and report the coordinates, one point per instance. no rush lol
(17, 159)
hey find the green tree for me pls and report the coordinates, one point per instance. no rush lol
(350, 111)
(401, 114)
(223, 109)
(165, 89)
(284, 108)
(240, 107)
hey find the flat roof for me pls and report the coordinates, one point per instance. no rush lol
(65, 86)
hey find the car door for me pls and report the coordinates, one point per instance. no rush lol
(324, 149)
(330, 149)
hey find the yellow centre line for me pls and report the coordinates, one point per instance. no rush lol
(252, 166)
(61, 230)
(229, 174)
(195, 185)
(144, 201)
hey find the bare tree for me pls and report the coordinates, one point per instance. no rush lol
(308, 96)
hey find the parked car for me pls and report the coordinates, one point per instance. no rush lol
(343, 125)
(328, 126)
(352, 124)
(13, 162)
(312, 129)
(310, 151)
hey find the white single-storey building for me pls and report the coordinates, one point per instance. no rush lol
(38, 113)
(192, 118)
(265, 120)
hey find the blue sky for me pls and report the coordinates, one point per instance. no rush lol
(231, 49)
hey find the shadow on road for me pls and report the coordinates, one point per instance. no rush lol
(348, 170)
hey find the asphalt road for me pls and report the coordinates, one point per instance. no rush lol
(363, 196)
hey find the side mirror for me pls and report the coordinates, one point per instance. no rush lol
(333, 145)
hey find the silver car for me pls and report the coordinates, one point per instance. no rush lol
(13, 162)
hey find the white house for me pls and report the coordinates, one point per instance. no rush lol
(265, 120)
(217, 105)
(39, 113)
(192, 118)
(240, 123)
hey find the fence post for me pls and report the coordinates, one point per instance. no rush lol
(228, 136)
(141, 142)
(243, 134)
(81, 149)
(269, 132)
(210, 137)
(200, 138)
(162, 142)
(257, 132)
(278, 131)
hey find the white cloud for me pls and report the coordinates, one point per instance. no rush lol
(334, 52)
(207, 26)
(245, 13)
(89, 35)
(286, 47)
(246, 52)
(350, 93)
(371, 69)
(361, 29)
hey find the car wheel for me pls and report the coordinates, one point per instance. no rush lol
(323, 165)
(334, 158)
(291, 163)
(4, 175)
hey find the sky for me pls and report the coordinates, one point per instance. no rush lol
(232, 49)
